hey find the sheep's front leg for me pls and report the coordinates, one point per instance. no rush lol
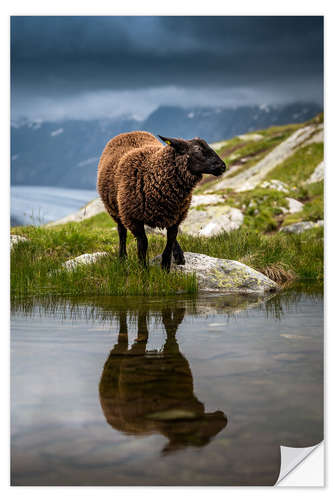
(166, 255)
(178, 254)
(122, 233)
(138, 230)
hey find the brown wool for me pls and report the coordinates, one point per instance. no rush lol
(140, 180)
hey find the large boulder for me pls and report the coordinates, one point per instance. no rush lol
(223, 275)
(212, 220)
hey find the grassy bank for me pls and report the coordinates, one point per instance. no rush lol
(36, 264)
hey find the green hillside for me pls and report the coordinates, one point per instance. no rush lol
(36, 264)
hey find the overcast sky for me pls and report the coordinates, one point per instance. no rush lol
(94, 67)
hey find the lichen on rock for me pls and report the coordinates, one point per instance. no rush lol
(223, 275)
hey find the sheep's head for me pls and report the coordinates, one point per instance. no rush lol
(202, 159)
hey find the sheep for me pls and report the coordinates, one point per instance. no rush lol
(141, 181)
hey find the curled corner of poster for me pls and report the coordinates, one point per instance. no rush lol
(302, 466)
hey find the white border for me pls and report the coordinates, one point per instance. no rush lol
(171, 7)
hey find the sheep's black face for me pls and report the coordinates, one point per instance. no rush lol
(201, 158)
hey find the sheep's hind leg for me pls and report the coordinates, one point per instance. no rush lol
(122, 232)
(178, 254)
(138, 230)
(166, 255)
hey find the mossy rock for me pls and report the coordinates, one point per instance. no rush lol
(223, 275)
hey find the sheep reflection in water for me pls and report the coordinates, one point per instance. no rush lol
(144, 392)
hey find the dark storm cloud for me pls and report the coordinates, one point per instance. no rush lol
(54, 56)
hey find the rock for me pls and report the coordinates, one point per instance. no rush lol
(275, 184)
(317, 137)
(15, 239)
(212, 221)
(92, 208)
(250, 137)
(252, 176)
(299, 227)
(222, 275)
(84, 259)
(294, 206)
(206, 199)
(317, 175)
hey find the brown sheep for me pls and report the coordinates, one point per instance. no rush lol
(140, 182)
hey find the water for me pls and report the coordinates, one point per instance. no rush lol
(41, 204)
(134, 391)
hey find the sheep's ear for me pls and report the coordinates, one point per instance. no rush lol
(178, 144)
(167, 140)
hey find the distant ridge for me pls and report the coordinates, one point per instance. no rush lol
(66, 153)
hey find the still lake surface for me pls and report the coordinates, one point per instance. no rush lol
(164, 391)
(41, 204)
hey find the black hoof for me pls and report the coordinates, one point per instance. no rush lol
(180, 260)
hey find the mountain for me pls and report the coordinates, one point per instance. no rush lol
(66, 153)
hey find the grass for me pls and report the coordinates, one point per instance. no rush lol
(36, 264)
(261, 208)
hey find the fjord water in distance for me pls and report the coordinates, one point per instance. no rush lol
(41, 204)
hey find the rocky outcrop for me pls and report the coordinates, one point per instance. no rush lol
(317, 175)
(84, 259)
(92, 208)
(212, 220)
(251, 177)
(206, 199)
(250, 137)
(316, 137)
(15, 239)
(222, 275)
(300, 227)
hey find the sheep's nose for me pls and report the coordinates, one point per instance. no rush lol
(222, 167)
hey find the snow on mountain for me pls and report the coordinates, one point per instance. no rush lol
(73, 162)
